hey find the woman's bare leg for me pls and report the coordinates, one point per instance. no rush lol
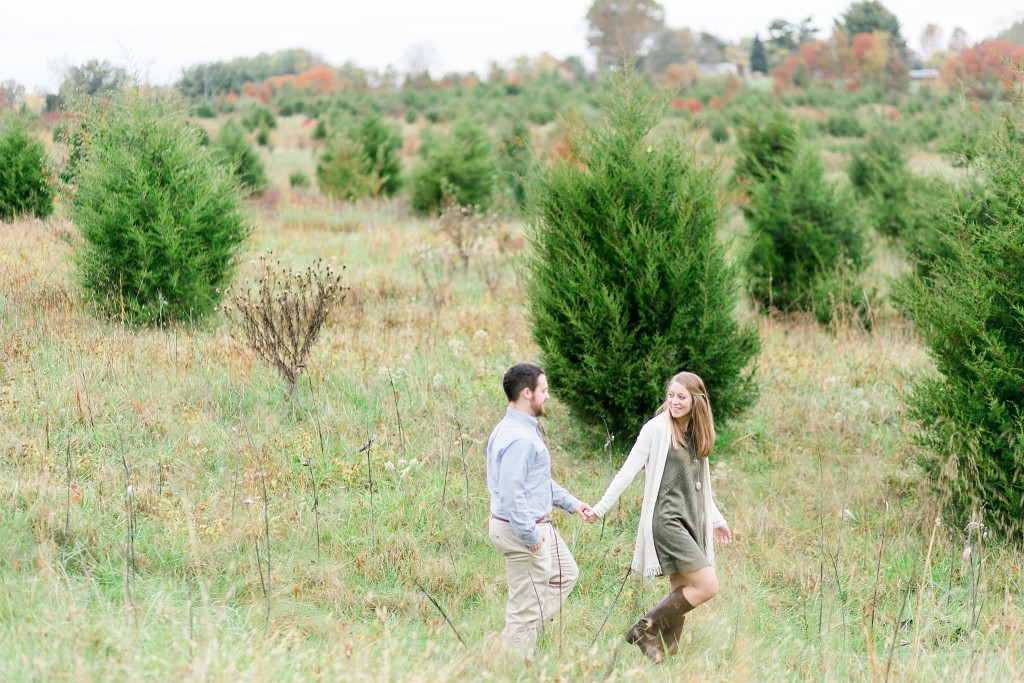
(698, 586)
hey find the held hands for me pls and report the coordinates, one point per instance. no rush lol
(586, 513)
(722, 534)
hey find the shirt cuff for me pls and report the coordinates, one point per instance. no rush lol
(532, 537)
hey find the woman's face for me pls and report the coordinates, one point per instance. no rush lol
(679, 400)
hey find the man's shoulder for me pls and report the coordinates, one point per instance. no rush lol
(508, 431)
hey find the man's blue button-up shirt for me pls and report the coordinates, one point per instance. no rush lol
(519, 476)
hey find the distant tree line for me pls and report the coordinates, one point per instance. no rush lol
(204, 81)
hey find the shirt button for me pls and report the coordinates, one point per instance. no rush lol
(698, 486)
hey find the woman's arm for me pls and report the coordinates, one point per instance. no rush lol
(634, 463)
(717, 519)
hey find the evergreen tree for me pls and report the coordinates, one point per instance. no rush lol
(362, 163)
(801, 231)
(969, 310)
(160, 218)
(342, 170)
(627, 283)
(878, 173)
(766, 148)
(24, 189)
(514, 160)
(461, 164)
(381, 143)
(232, 148)
(758, 57)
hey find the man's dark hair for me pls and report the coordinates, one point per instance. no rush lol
(518, 377)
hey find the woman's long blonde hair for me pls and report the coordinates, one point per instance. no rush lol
(699, 436)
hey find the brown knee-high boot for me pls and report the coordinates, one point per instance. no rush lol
(664, 621)
(672, 634)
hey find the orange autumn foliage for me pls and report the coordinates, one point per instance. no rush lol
(985, 67)
(319, 80)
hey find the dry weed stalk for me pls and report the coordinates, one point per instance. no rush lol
(899, 624)
(366, 448)
(67, 502)
(282, 319)
(129, 489)
(441, 610)
(264, 557)
(312, 478)
(878, 561)
(261, 475)
(465, 466)
(398, 415)
(266, 532)
(444, 485)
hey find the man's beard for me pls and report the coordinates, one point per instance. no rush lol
(537, 407)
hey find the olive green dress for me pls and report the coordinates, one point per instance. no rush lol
(679, 515)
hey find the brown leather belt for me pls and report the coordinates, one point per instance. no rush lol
(543, 520)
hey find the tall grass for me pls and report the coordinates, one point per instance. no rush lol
(839, 571)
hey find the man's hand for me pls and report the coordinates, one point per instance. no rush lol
(586, 513)
(722, 534)
(535, 548)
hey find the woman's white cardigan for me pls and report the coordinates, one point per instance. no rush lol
(651, 451)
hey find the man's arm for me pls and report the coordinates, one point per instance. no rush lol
(562, 499)
(513, 468)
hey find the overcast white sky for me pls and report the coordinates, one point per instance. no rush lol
(160, 37)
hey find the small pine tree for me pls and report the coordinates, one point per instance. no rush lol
(758, 56)
(879, 174)
(969, 310)
(24, 186)
(843, 123)
(801, 231)
(319, 130)
(259, 118)
(240, 156)
(362, 163)
(514, 160)
(298, 179)
(767, 149)
(160, 218)
(627, 281)
(381, 143)
(342, 171)
(462, 162)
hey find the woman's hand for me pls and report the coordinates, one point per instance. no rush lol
(586, 513)
(722, 534)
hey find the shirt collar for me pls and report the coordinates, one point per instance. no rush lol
(521, 417)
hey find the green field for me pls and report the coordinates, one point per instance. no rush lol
(840, 571)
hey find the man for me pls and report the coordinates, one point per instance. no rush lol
(541, 570)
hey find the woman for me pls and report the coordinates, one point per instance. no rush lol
(678, 517)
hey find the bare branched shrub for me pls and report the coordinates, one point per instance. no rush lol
(473, 240)
(467, 229)
(281, 317)
(432, 267)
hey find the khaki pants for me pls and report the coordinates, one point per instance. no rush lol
(538, 582)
